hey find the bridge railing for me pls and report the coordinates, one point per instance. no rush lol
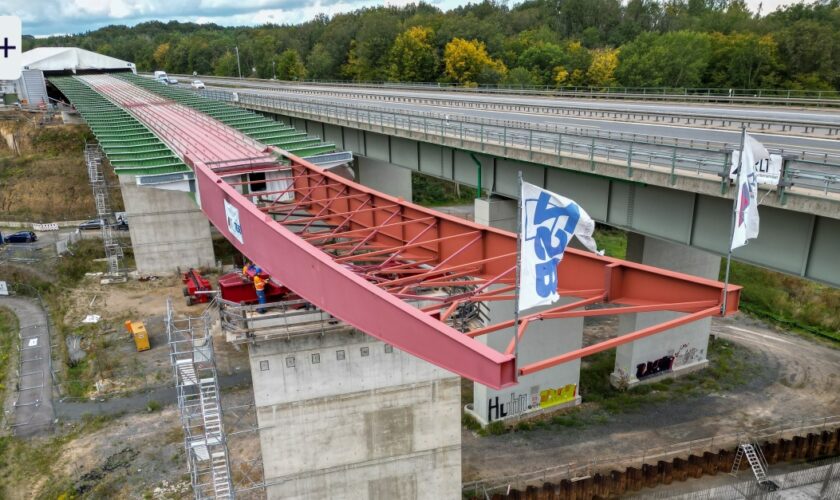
(815, 172)
(827, 98)
(819, 125)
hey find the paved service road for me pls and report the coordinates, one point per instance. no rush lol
(33, 410)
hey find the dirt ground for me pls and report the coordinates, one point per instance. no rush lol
(798, 378)
(121, 367)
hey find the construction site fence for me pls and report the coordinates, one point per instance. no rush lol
(813, 446)
(572, 470)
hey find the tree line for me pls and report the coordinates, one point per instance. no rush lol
(557, 43)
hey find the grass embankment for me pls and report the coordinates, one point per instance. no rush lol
(793, 303)
(48, 180)
(27, 465)
(8, 336)
(433, 192)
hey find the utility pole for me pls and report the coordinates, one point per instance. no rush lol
(238, 67)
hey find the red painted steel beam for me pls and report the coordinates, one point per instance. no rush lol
(423, 247)
(624, 339)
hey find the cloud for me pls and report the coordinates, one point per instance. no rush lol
(45, 17)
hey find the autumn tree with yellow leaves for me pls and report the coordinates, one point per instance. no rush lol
(467, 62)
(413, 57)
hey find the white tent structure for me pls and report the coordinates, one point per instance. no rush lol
(72, 59)
(31, 88)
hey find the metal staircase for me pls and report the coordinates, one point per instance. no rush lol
(758, 464)
(113, 250)
(199, 403)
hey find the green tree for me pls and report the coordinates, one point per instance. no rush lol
(225, 65)
(743, 61)
(290, 66)
(467, 62)
(521, 77)
(677, 59)
(319, 64)
(413, 58)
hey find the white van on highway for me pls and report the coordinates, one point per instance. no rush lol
(160, 75)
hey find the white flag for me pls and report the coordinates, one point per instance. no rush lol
(548, 223)
(746, 199)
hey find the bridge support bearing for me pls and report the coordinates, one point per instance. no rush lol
(497, 211)
(384, 177)
(546, 390)
(168, 230)
(673, 352)
(343, 415)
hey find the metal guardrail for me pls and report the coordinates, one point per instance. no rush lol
(828, 98)
(699, 157)
(695, 118)
(683, 449)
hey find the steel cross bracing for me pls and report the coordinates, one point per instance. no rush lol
(399, 272)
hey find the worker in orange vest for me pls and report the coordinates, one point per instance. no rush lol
(259, 285)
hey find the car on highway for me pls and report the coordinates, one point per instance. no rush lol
(197, 84)
(172, 81)
(21, 237)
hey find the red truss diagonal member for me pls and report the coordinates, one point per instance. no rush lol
(392, 269)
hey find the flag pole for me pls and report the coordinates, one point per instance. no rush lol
(518, 277)
(734, 213)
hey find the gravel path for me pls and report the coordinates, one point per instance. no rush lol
(798, 379)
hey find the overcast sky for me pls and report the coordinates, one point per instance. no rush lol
(47, 17)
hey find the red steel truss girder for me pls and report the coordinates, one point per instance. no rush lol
(345, 290)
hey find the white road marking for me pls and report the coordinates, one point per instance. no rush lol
(33, 341)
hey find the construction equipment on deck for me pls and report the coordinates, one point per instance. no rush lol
(197, 288)
(138, 331)
(239, 288)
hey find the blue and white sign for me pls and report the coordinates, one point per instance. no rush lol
(548, 223)
(10, 47)
(232, 216)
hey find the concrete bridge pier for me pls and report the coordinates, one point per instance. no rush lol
(384, 177)
(552, 388)
(680, 350)
(497, 211)
(548, 389)
(168, 230)
(346, 416)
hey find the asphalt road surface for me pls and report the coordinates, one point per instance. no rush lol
(33, 410)
(696, 131)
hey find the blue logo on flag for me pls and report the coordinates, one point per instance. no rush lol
(549, 237)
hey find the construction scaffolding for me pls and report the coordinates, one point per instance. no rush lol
(199, 402)
(99, 185)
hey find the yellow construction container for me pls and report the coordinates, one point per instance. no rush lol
(141, 337)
